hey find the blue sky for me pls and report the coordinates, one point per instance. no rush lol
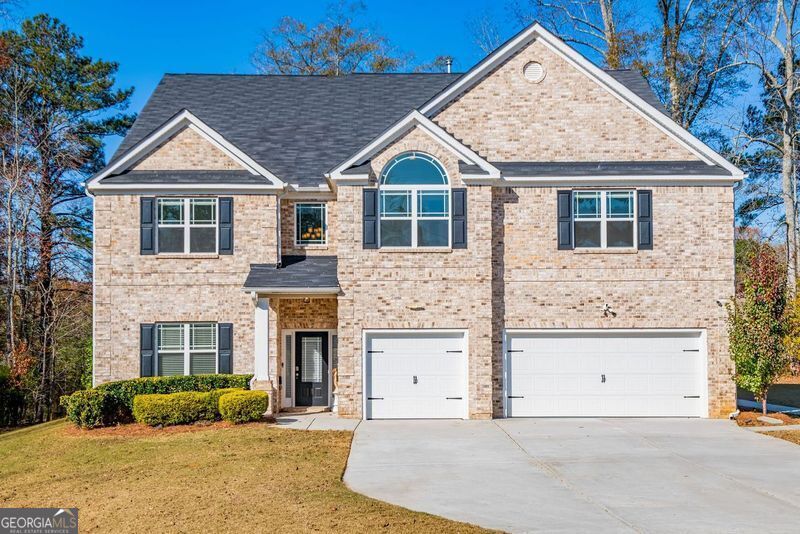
(149, 38)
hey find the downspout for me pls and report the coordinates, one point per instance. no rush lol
(94, 278)
(278, 227)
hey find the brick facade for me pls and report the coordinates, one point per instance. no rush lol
(510, 276)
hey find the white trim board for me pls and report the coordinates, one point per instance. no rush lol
(582, 64)
(413, 119)
(181, 120)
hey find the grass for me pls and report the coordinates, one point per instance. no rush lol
(183, 479)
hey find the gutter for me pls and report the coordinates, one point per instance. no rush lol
(293, 290)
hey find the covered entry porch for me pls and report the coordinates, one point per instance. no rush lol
(295, 322)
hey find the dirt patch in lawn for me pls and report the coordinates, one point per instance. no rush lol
(213, 478)
(788, 435)
(750, 418)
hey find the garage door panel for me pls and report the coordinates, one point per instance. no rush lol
(415, 375)
(575, 373)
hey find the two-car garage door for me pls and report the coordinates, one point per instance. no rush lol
(573, 373)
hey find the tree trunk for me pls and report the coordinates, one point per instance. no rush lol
(44, 277)
(614, 47)
(788, 168)
(764, 404)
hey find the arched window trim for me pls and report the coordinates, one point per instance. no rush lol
(414, 193)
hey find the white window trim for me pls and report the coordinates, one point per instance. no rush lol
(187, 225)
(414, 189)
(187, 349)
(324, 242)
(603, 220)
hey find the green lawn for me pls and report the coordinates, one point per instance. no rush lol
(213, 479)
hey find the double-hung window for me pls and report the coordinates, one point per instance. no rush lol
(414, 202)
(311, 225)
(604, 219)
(187, 225)
(187, 349)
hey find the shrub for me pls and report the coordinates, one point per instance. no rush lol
(178, 408)
(173, 408)
(123, 392)
(119, 396)
(243, 406)
(87, 408)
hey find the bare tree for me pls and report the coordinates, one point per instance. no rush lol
(608, 28)
(333, 47)
(767, 37)
(485, 32)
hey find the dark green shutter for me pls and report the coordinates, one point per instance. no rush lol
(147, 349)
(226, 225)
(370, 218)
(644, 201)
(147, 226)
(459, 203)
(564, 222)
(225, 347)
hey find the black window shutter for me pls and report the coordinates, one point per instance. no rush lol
(564, 220)
(370, 218)
(226, 225)
(147, 232)
(147, 349)
(459, 203)
(225, 347)
(644, 201)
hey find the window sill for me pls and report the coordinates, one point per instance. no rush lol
(438, 250)
(312, 247)
(175, 256)
(605, 251)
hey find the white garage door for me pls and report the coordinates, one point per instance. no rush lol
(413, 375)
(572, 373)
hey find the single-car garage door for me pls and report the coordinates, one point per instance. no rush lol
(571, 373)
(413, 375)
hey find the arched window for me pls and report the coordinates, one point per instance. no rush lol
(414, 202)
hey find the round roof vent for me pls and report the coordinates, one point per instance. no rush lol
(533, 72)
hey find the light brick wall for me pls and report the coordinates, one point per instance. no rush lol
(131, 289)
(565, 117)
(675, 285)
(417, 289)
(185, 150)
(288, 246)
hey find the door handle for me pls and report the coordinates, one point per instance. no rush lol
(415, 379)
(602, 379)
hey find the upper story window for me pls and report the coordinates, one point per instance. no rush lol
(414, 202)
(604, 219)
(187, 349)
(187, 225)
(310, 224)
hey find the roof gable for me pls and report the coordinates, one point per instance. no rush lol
(614, 82)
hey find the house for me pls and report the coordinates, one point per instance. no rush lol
(534, 237)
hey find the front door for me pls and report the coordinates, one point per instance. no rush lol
(311, 369)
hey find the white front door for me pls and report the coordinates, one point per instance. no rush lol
(609, 374)
(412, 375)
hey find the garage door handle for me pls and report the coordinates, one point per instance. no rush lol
(516, 396)
(520, 350)
(454, 398)
(691, 396)
(691, 350)
(374, 398)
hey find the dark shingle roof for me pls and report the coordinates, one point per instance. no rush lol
(295, 272)
(634, 81)
(186, 177)
(539, 169)
(298, 127)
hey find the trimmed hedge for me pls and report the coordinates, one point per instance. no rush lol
(243, 406)
(87, 408)
(178, 408)
(118, 404)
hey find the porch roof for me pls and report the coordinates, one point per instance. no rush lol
(295, 274)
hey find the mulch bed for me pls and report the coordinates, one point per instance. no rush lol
(750, 418)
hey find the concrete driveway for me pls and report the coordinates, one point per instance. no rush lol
(583, 475)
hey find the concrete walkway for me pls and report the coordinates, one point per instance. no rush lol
(583, 475)
(315, 421)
